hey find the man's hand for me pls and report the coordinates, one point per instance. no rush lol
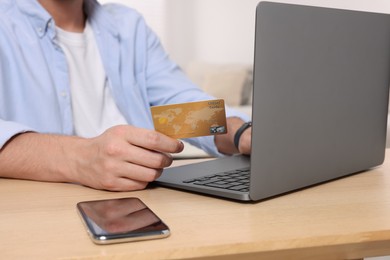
(125, 158)
(121, 159)
(225, 143)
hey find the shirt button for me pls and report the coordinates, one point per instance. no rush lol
(64, 94)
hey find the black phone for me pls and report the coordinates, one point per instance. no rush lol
(120, 220)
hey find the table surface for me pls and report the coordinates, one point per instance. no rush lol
(344, 219)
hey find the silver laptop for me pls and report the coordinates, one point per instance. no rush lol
(320, 103)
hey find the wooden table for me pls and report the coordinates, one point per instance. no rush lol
(344, 219)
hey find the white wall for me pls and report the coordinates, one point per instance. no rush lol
(222, 31)
(217, 31)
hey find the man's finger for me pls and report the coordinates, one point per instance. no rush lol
(155, 141)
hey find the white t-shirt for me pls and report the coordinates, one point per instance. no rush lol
(94, 109)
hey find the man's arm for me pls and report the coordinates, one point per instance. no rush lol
(122, 158)
(225, 143)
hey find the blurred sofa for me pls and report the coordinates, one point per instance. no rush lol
(232, 82)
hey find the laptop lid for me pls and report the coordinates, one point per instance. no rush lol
(320, 98)
(321, 80)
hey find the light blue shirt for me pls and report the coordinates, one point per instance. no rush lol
(34, 79)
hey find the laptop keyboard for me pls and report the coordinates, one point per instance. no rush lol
(237, 180)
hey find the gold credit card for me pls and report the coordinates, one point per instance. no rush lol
(191, 119)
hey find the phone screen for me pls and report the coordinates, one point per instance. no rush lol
(121, 220)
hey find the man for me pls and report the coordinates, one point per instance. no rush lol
(76, 83)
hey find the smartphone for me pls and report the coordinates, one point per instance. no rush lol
(120, 220)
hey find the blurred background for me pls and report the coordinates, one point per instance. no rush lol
(218, 31)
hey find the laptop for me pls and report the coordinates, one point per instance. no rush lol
(319, 109)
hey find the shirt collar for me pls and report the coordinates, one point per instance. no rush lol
(37, 15)
(41, 19)
(100, 17)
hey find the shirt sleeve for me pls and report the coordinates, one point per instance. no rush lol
(9, 129)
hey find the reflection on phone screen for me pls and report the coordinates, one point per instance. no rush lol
(119, 216)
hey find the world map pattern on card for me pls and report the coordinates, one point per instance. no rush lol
(191, 119)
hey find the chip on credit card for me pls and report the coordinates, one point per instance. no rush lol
(190, 119)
